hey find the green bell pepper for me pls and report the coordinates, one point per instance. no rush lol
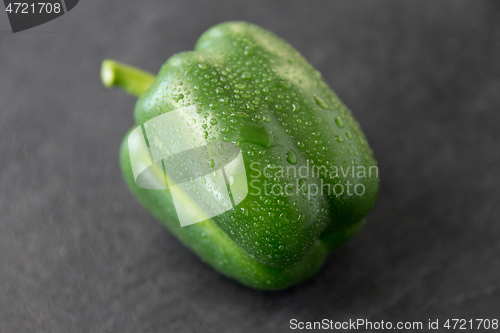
(252, 89)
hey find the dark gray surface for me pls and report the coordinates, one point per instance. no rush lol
(78, 253)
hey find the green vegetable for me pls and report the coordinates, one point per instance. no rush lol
(302, 150)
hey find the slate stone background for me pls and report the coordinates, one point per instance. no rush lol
(79, 254)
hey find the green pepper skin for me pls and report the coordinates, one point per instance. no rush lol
(254, 89)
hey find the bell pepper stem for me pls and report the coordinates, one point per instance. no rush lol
(131, 79)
